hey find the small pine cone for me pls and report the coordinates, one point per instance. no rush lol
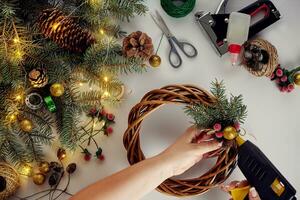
(138, 44)
(64, 31)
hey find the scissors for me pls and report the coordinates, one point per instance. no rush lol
(183, 46)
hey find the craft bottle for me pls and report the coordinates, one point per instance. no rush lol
(237, 34)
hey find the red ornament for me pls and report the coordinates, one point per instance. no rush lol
(110, 117)
(87, 157)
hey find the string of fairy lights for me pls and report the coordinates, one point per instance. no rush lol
(16, 48)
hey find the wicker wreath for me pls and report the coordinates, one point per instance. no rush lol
(178, 94)
(270, 66)
(9, 181)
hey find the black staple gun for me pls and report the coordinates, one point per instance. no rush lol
(215, 25)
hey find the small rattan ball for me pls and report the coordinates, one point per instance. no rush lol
(267, 67)
(187, 95)
(10, 180)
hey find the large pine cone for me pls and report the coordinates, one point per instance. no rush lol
(64, 31)
(138, 44)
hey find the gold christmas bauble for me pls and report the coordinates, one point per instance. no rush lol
(230, 133)
(297, 79)
(39, 178)
(57, 89)
(26, 125)
(44, 167)
(155, 60)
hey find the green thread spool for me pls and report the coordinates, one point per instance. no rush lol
(178, 8)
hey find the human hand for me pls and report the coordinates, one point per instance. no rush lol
(253, 195)
(188, 150)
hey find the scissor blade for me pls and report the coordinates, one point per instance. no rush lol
(158, 24)
(163, 24)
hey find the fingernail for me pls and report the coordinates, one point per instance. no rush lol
(253, 192)
(220, 144)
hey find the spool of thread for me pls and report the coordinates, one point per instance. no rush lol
(178, 8)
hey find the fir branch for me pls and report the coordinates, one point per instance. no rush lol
(67, 126)
(33, 142)
(11, 148)
(224, 111)
(125, 9)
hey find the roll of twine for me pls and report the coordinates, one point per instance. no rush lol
(178, 11)
(10, 180)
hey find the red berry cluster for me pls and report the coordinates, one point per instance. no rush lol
(283, 79)
(218, 129)
(101, 114)
(88, 155)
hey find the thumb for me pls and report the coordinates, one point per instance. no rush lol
(208, 146)
(253, 195)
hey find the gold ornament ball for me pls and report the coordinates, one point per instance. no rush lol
(155, 60)
(297, 79)
(39, 178)
(57, 89)
(230, 133)
(26, 125)
(44, 167)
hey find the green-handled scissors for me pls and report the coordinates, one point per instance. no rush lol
(187, 48)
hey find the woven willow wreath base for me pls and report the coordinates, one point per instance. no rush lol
(177, 94)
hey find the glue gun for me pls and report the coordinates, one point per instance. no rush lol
(261, 174)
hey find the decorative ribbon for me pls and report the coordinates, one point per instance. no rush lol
(50, 103)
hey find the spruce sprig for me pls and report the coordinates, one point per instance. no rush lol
(226, 111)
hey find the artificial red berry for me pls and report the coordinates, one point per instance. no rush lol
(110, 117)
(87, 157)
(109, 130)
(101, 157)
(103, 112)
(219, 134)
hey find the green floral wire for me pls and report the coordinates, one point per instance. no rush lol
(178, 11)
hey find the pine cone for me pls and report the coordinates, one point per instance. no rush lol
(38, 77)
(64, 31)
(138, 44)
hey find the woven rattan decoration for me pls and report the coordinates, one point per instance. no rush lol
(186, 95)
(9, 180)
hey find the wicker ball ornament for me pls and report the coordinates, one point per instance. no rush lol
(9, 181)
(64, 31)
(187, 95)
(256, 62)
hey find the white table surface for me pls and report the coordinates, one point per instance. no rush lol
(273, 117)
